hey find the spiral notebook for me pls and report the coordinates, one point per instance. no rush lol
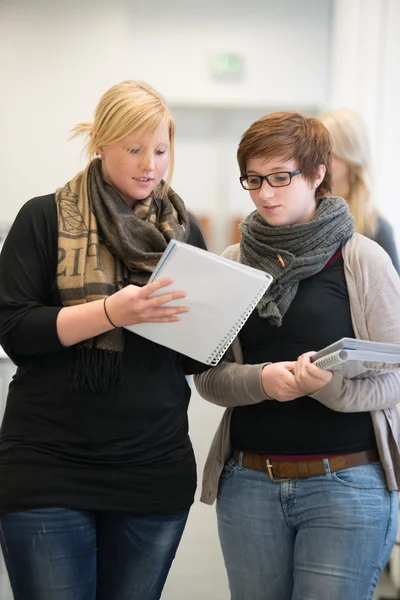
(220, 293)
(358, 359)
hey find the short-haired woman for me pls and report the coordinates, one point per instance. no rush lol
(305, 463)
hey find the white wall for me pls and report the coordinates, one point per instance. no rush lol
(59, 57)
(365, 76)
(284, 44)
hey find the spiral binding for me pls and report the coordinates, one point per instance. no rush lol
(331, 360)
(227, 340)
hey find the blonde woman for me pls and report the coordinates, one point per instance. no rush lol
(96, 467)
(352, 176)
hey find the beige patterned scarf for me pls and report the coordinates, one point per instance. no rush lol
(104, 245)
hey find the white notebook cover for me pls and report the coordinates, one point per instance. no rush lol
(220, 293)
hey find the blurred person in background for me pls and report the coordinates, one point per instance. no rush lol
(96, 466)
(352, 177)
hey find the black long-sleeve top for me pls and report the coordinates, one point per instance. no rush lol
(305, 426)
(129, 451)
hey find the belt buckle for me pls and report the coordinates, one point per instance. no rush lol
(271, 473)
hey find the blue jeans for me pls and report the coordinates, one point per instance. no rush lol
(59, 554)
(327, 537)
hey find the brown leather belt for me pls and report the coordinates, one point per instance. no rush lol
(278, 470)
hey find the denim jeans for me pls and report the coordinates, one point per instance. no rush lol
(59, 554)
(327, 537)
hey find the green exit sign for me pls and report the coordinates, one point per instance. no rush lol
(227, 66)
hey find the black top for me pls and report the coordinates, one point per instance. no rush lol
(385, 238)
(129, 451)
(196, 235)
(318, 316)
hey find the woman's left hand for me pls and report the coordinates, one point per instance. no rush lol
(309, 378)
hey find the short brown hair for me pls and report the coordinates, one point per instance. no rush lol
(290, 135)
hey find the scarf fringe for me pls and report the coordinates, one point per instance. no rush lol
(98, 371)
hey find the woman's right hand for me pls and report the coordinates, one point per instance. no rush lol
(279, 383)
(133, 304)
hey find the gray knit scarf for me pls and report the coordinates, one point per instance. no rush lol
(304, 250)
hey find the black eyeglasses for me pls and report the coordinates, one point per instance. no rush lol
(254, 182)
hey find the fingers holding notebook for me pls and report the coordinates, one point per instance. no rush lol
(310, 378)
(279, 383)
(133, 304)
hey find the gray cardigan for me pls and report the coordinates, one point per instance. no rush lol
(374, 292)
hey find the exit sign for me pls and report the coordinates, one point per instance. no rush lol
(227, 66)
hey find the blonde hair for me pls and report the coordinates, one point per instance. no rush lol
(350, 144)
(127, 107)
